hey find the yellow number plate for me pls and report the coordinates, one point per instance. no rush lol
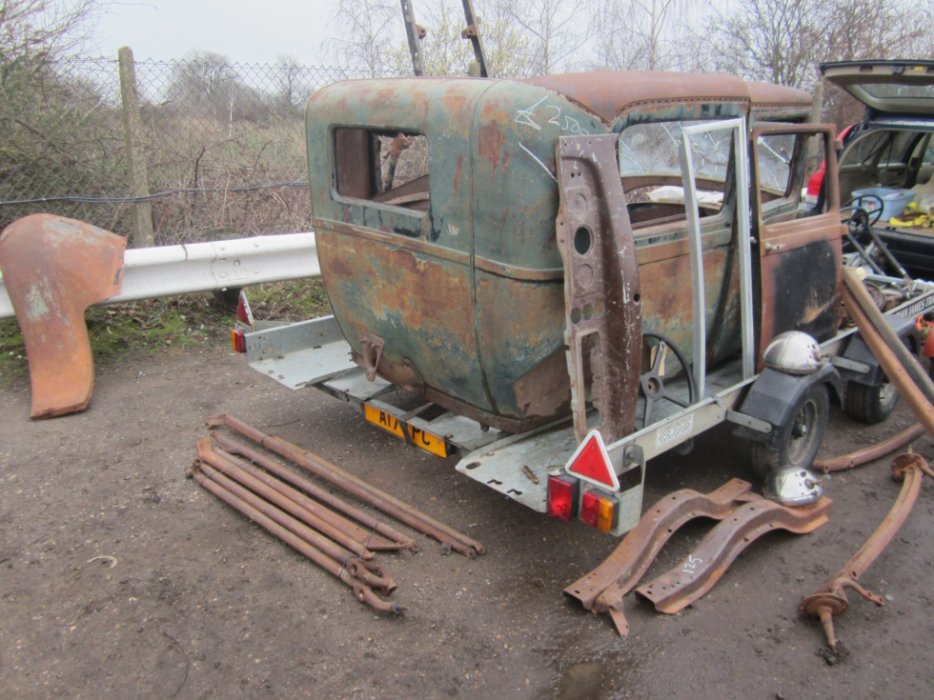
(427, 441)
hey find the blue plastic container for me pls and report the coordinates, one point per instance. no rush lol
(894, 200)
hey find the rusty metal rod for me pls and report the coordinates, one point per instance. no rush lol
(860, 295)
(893, 368)
(361, 591)
(829, 601)
(391, 539)
(868, 454)
(265, 488)
(355, 565)
(357, 487)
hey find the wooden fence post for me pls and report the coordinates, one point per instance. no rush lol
(142, 234)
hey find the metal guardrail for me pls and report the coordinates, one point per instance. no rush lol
(200, 267)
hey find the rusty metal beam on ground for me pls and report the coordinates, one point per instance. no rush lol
(692, 578)
(362, 592)
(602, 589)
(53, 269)
(303, 510)
(385, 538)
(356, 486)
(357, 567)
(871, 453)
(829, 600)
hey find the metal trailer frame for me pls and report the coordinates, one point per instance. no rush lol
(315, 354)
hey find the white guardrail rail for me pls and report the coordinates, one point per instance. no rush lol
(201, 267)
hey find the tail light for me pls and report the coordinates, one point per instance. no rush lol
(562, 497)
(237, 340)
(599, 510)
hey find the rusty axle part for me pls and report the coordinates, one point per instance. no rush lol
(868, 454)
(355, 486)
(602, 589)
(361, 591)
(262, 487)
(679, 587)
(390, 538)
(356, 566)
(830, 600)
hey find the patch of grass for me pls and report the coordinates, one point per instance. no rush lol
(154, 325)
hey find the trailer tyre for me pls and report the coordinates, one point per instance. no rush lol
(796, 444)
(870, 404)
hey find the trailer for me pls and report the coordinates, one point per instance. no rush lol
(559, 279)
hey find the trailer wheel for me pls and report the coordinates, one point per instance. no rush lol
(870, 404)
(796, 443)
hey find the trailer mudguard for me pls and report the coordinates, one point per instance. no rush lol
(774, 394)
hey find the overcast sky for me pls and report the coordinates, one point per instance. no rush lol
(246, 31)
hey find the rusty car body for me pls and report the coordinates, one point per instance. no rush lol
(535, 260)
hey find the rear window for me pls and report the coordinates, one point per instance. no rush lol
(386, 166)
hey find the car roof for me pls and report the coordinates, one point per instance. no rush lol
(898, 86)
(608, 93)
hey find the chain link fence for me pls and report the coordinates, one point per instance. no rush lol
(222, 145)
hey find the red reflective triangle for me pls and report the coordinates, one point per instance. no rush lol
(591, 462)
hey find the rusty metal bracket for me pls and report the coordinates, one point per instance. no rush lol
(602, 589)
(696, 575)
(372, 352)
(53, 269)
(829, 600)
(603, 306)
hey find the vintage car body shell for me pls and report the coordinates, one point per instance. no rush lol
(463, 303)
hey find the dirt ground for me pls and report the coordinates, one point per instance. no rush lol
(121, 578)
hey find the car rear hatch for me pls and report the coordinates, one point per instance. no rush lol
(893, 87)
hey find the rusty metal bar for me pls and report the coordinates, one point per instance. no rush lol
(390, 538)
(357, 487)
(602, 589)
(361, 591)
(305, 510)
(603, 308)
(868, 454)
(356, 566)
(860, 295)
(829, 600)
(893, 367)
(689, 580)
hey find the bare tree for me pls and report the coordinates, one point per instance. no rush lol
(366, 32)
(558, 29)
(640, 34)
(42, 29)
(771, 40)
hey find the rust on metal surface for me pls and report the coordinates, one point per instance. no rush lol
(696, 575)
(830, 600)
(53, 269)
(891, 364)
(357, 487)
(603, 303)
(603, 589)
(868, 454)
(380, 537)
(357, 567)
(302, 508)
(362, 591)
